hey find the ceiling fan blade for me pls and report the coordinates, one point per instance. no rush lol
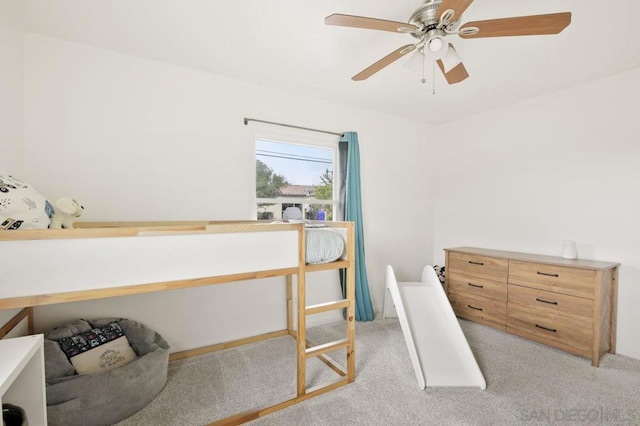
(458, 7)
(390, 58)
(456, 74)
(369, 23)
(551, 23)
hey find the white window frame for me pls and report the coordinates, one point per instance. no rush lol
(274, 133)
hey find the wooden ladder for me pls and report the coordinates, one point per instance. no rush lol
(306, 349)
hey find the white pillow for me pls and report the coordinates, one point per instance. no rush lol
(22, 206)
(105, 357)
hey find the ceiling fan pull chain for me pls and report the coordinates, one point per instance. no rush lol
(424, 59)
(433, 76)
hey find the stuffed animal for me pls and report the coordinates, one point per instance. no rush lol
(440, 271)
(65, 212)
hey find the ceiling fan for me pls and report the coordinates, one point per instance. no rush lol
(435, 20)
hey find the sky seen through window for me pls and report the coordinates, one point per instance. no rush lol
(299, 164)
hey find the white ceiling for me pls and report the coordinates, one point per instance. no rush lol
(285, 44)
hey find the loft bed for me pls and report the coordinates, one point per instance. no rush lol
(126, 258)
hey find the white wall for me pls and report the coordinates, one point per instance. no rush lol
(10, 88)
(10, 97)
(135, 139)
(562, 166)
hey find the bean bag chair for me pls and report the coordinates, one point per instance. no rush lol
(125, 383)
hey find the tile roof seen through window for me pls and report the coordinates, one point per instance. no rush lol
(296, 191)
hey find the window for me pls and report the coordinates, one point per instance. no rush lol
(295, 174)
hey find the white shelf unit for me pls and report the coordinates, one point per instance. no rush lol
(22, 376)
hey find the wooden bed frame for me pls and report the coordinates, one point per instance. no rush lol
(221, 252)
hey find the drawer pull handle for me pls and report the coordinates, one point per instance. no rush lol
(546, 328)
(548, 275)
(476, 285)
(545, 301)
(476, 263)
(473, 307)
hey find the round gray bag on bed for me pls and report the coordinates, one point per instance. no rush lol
(102, 398)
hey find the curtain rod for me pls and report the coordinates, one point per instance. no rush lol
(247, 120)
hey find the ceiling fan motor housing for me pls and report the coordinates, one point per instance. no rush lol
(431, 31)
(425, 16)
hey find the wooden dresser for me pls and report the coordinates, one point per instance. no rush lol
(567, 304)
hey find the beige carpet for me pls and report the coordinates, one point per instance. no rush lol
(527, 383)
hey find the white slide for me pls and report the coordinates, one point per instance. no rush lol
(439, 351)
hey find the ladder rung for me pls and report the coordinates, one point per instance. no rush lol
(329, 306)
(331, 265)
(327, 347)
(333, 364)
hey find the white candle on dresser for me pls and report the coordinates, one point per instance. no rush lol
(570, 250)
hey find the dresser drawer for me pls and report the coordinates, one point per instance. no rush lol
(578, 308)
(559, 279)
(461, 283)
(478, 266)
(565, 333)
(480, 309)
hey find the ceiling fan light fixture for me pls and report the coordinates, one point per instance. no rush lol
(451, 59)
(435, 44)
(442, 51)
(415, 64)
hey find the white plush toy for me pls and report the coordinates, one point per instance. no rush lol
(65, 212)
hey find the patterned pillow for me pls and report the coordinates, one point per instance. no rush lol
(22, 206)
(100, 349)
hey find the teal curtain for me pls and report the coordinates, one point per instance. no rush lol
(351, 210)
